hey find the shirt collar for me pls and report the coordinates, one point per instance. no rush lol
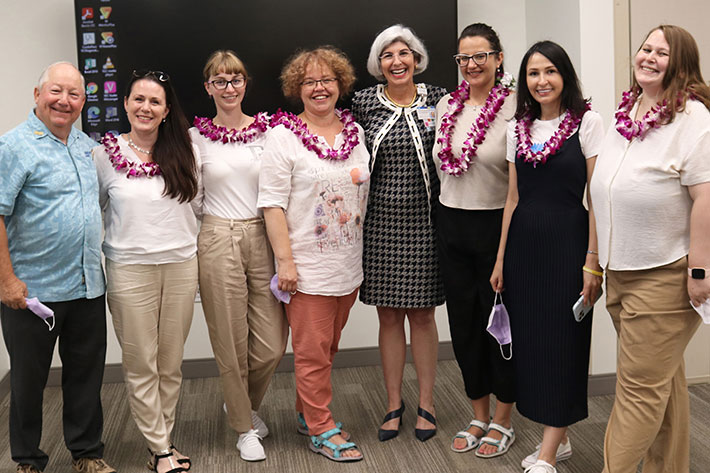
(40, 130)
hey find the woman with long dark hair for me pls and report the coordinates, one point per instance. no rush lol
(149, 191)
(547, 255)
(470, 158)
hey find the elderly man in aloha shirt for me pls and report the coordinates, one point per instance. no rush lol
(50, 236)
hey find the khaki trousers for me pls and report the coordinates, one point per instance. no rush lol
(246, 323)
(316, 325)
(654, 321)
(152, 306)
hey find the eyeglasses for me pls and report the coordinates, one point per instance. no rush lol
(479, 58)
(223, 83)
(160, 75)
(402, 55)
(311, 83)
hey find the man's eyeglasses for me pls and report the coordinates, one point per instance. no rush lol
(479, 58)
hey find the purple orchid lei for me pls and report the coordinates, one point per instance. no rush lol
(629, 128)
(539, 155)
(477, 134)
(120, 163)
(311, 141)
(208, 129)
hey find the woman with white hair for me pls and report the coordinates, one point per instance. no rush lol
(399, 258)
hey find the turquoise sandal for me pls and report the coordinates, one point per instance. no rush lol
(319, 443)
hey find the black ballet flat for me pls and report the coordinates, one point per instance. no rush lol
(425, 434)
(384, 434)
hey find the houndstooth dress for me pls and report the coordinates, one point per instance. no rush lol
(400, 262)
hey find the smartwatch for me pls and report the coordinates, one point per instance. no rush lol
(698, 273)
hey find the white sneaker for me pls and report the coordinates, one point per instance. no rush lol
(250, 448)
(540, 466)
(564, 451)
(259, 425)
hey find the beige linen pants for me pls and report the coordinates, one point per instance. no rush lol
(246, 323)
(152, 306)
(654, 321)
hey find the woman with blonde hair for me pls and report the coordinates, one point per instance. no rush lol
(653, 171)
(313, 187)
(246, 323)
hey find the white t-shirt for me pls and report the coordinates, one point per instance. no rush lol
(142, 225)
(325, 202)
(591, 134)
(640, 190)
(230, 176)
(484, 185)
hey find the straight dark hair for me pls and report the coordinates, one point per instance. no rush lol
(485, 32)
(571, 98)
(173, 149)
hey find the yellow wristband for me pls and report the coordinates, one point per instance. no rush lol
(591, 271)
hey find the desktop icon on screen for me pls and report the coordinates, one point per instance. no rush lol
(93, 113)
(105, 12)
(87, 13)
(91, 88)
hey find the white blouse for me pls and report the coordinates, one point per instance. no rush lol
(325, 202)
(230, 176)
(640, 190)
(142, 225)
(484, 185)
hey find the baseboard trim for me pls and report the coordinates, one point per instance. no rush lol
(599, 384)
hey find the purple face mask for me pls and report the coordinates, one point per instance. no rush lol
(499, 326)
(283, 296)
(41, 310)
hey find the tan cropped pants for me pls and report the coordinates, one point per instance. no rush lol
(152, 306)
(246, 323)
(654, 321)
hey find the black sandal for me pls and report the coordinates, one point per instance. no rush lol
(425, 434)
(157, 456)
(185, 462)
(389, 434)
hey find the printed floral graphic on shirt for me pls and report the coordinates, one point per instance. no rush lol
(338, 216)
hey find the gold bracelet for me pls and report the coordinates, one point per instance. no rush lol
(591, 271)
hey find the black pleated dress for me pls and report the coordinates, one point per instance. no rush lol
(545, 252)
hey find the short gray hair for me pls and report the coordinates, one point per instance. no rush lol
(391, 35)
(44, 77)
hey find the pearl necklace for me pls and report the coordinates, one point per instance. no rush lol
(136, 147)
(121, 164)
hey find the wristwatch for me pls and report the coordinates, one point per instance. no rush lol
(698, 273)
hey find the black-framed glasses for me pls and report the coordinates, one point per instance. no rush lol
(479, 58)
(160, 75)
(223, 83)
(402, 55)
(311, 83)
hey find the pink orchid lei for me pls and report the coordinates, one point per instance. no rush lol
(477, 134)
(539, 155)
(311, 141)
(208, 129)
(657, 116)
(120, 163)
